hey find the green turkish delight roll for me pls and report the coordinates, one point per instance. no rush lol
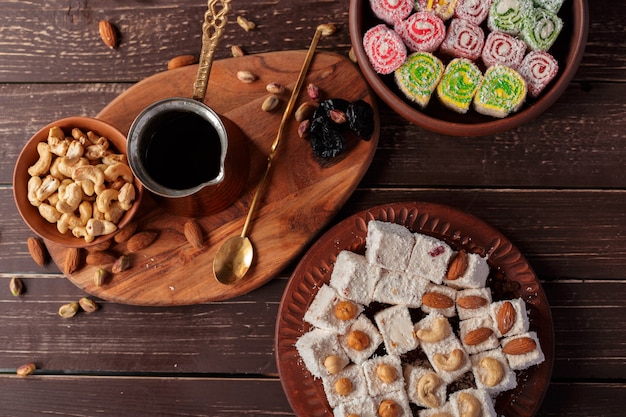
(501, 92)
(540, 29)
(418, 77)
(508, 15)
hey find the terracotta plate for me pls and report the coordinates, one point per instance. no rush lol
(511, 277)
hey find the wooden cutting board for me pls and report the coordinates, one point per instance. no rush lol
(301, 195)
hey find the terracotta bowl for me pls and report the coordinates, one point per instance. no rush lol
(568, 50)
(29, 156)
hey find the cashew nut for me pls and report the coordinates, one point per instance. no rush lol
(33, 185)
(74, 152)
(469, 406)
(93, 152)
(114, 158)
(87, 186)
(89, 172)
(48, 186)
(82, 232)
(48, 212)
(80, 136)
(95, 213)
(127, 195)
(68, 221)
(58, 144)
(100, 227)
(439, 331)
(70, 199)
(118, 170)
(451, 362)
(115, 213)
(493, 371)
(68, 170)
(426, 387)
(442, 414)
(43, 163)
(105, 199)
(53, 199)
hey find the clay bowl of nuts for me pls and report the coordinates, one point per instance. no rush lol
(72, 184)
(476, 72)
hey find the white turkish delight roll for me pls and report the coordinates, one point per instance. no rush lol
(429, 258)
(347, 386)
(523, 350)
(424, 387)
(444, 410)
(475, 275)
(321, 352)
(363, 408)
(476, 400)
(477, 334)
(354, 278)
(361, 340)
(330, 311)
(473, 302)
(510, 317)
(492, 372)
(396, 328)
(449, 359)
(396, 287)
(440, 299)
(388, 245)
(383, 374)
(393, 403)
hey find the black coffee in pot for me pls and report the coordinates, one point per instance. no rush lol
(183, 150)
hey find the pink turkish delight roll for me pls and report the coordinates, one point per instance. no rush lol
(422, 32)
(538, 69)
(463, 40)
(475, 11)
(501, 48)
(392, 11)
(384, 49)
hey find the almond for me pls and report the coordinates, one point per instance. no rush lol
(477, 336)
(519, 346)
(140, 241)
(126, 232)
(471, 302)
(181, 61)
(108, 33)
(100, 258)
(72, 260)
(458, 266)
(505, 318)
(104, 245)
(37, 250)
(193, 233)
(437, 300)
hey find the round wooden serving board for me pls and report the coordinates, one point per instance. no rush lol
(300, 197)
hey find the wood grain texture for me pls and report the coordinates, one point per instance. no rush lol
(296, 201)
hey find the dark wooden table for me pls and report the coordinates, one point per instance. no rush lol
(555, 187)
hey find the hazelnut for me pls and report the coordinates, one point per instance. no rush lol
(386, 373)
(388, 408)
(343, 386)
(358, 340)
(345, 310)
(334, 364)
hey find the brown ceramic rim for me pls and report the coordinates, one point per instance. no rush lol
(460, 230)
(28, 156)
(569, 65)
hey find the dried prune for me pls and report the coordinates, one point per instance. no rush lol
(326, 141)
(323, 110)
(361, 119)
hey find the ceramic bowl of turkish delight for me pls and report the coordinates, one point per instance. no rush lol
(414, 309)
(469, 67)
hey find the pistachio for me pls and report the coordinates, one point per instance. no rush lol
(88, 305)
(246, 24)
(303, 128)
(338, 116)
(121, 264)
(304, 111)
(236, 51)
(313, 91)
(246, 76)
(327, 29)
(16, 286)
(352, 55)
(99, 277)
(26, 369)
(275, 88)
(270, 103)
(68, 310)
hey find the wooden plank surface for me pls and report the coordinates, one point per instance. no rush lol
(555, 187)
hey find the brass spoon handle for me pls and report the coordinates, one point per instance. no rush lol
(288, 110)
(212, 29)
